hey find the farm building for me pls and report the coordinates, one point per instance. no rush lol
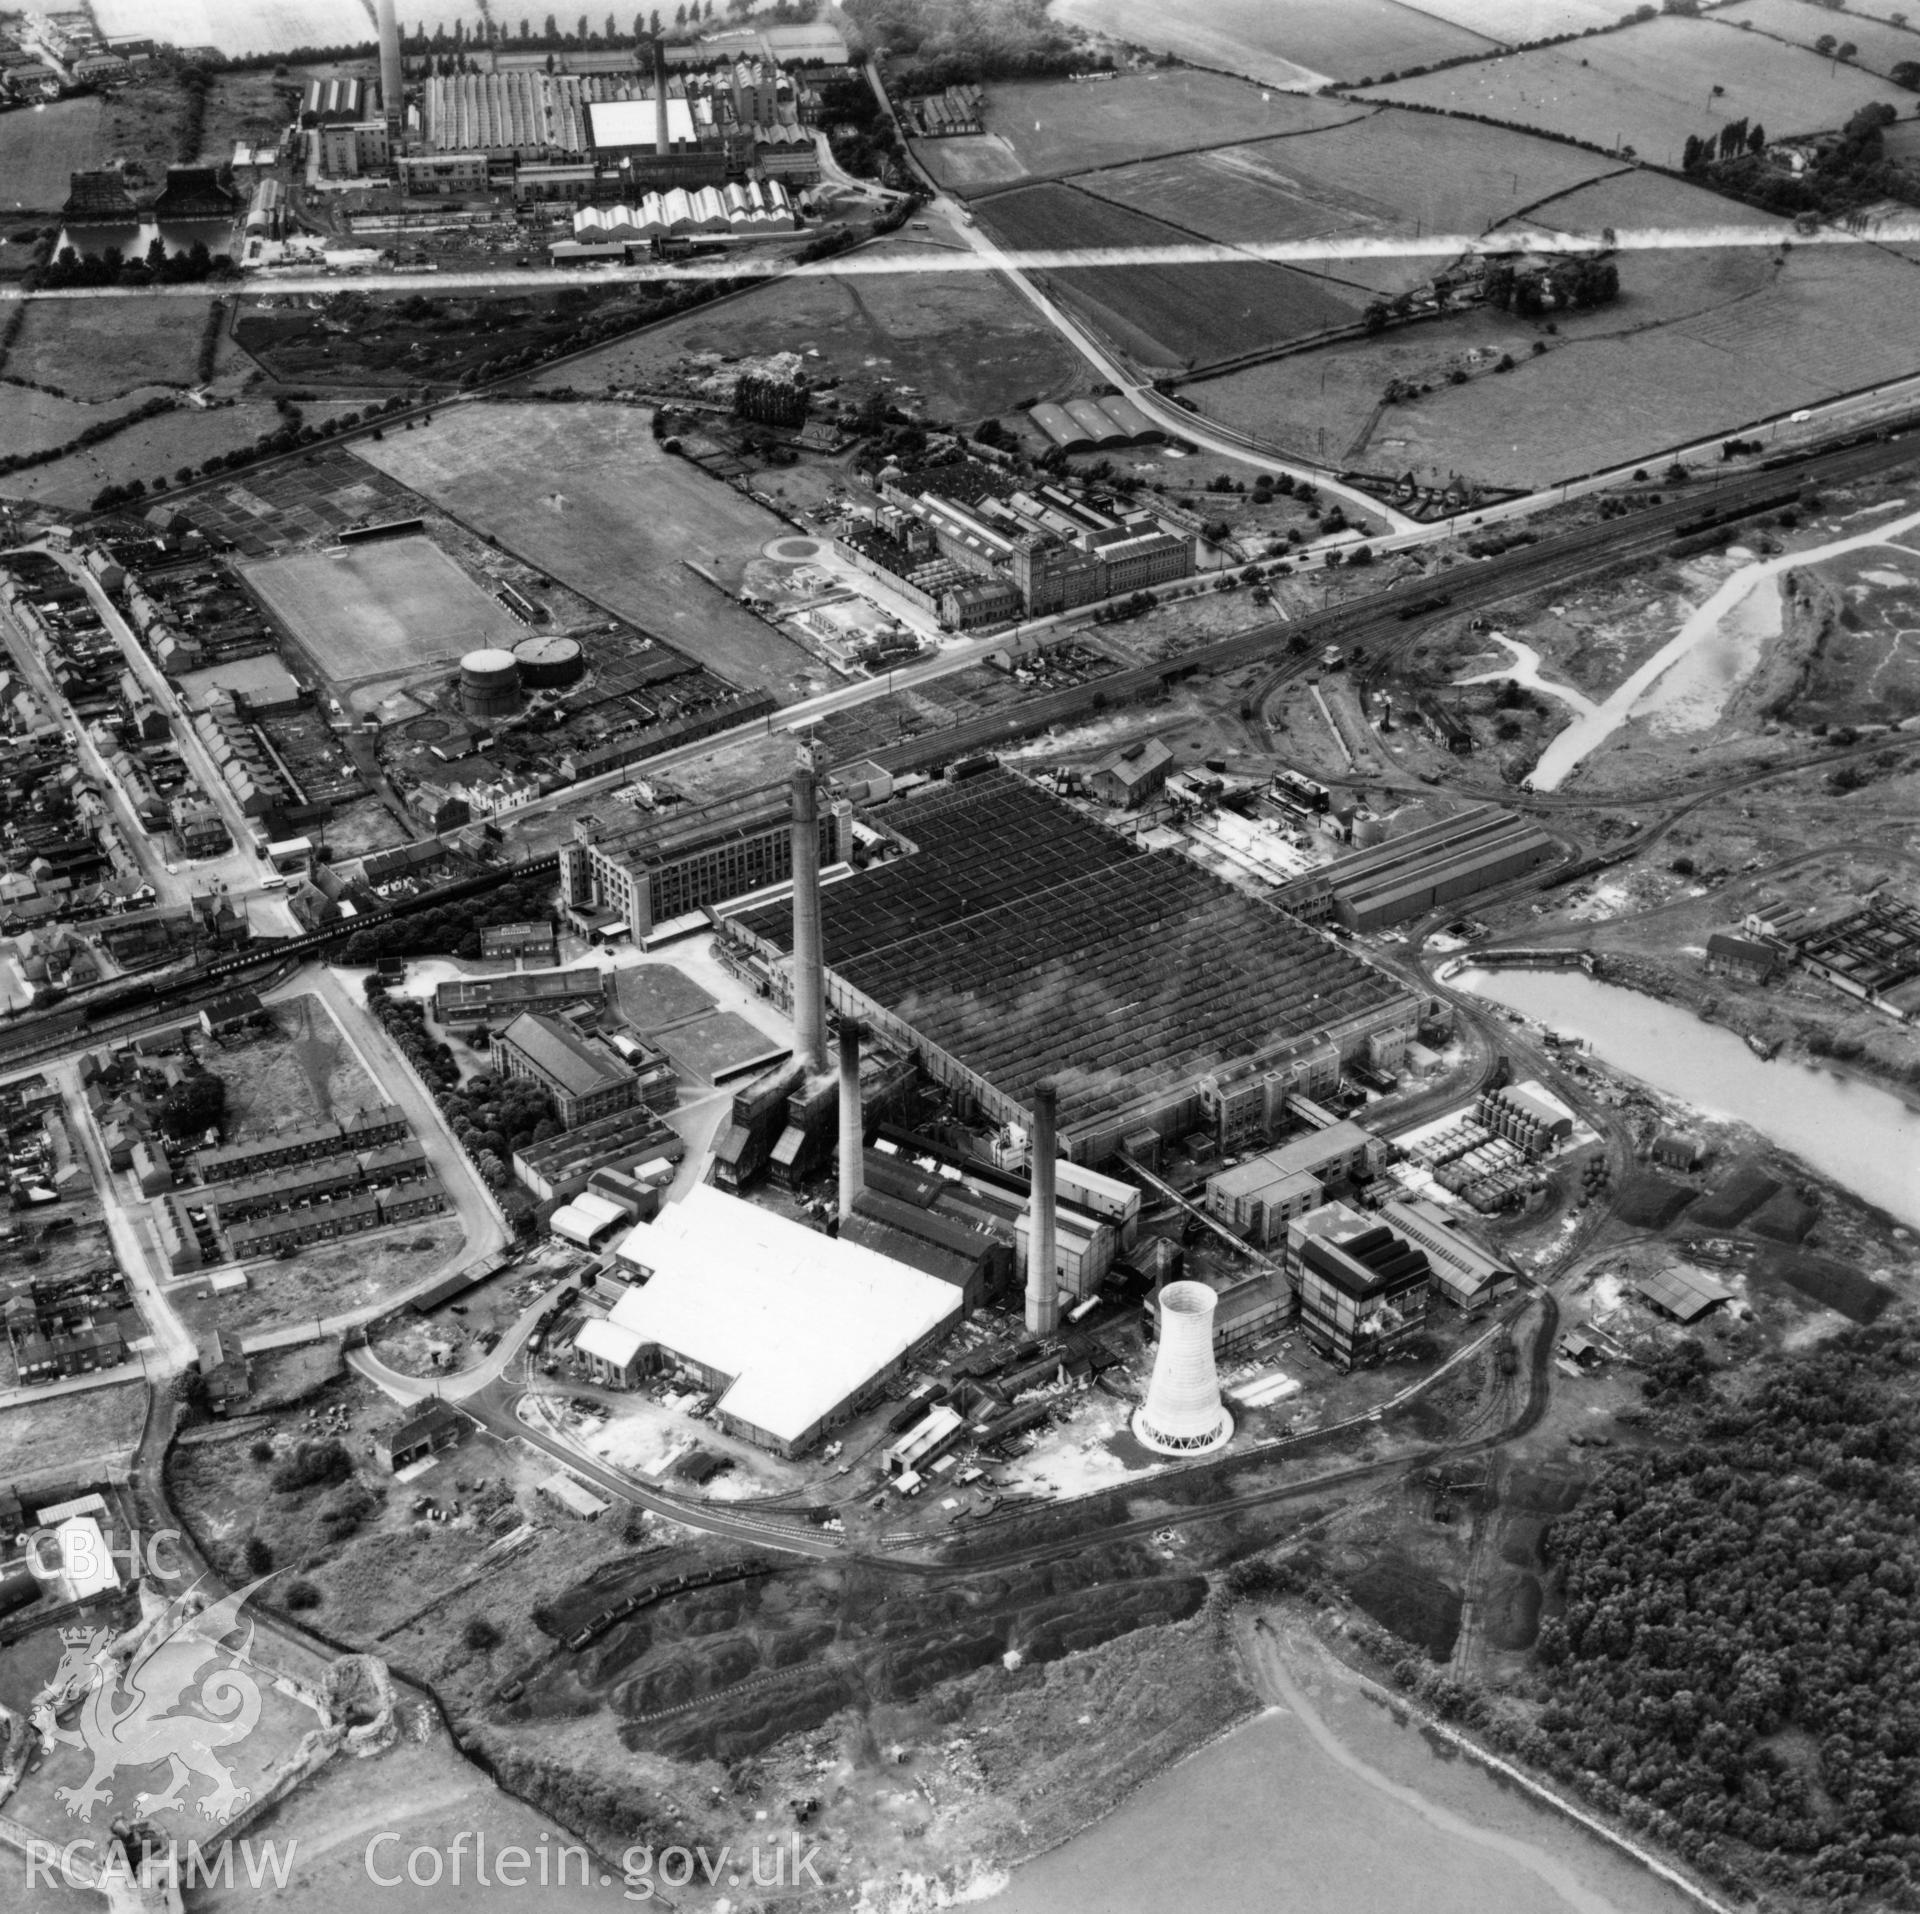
(434, 1426)
(795, 1329)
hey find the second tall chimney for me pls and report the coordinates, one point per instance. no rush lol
(1043, 1284)
(809, 981)
(853, 1127)
(662, 139)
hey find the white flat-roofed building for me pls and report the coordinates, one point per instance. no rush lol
(795, 1330)
(630, 123)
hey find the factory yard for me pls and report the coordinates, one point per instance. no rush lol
(373, 610)
(584, 493)
(1648, 86)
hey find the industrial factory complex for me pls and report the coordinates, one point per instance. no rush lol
(1014, 940)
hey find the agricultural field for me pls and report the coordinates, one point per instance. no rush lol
(1880, 46)
(1166, 316)
(1055, 127)
(585, 494)
(373, 610)
(1390, 175)
(39, 149)
(31, 421)
(101, 348)
(241, 26)
(1303, 43)
(964, 345)
(1681, 283)
(1516, 22)
(1650, 86)
(1601, 394)
(154, 449)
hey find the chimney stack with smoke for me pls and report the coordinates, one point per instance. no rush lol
(392, 85)
(1043, 1285)
(809, 981)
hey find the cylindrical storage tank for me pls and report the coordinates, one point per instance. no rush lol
(1369, 830)
(1182, 1413)
(546, 664)
(489, 684)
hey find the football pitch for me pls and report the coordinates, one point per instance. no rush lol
(375, 610)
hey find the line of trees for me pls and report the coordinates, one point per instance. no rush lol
(1737, 136)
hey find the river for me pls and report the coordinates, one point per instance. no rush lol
(1861, 1136)
(1329, 1804)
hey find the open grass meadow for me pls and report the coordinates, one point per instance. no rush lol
(1649, 86)
(1830, 320)
(241, 26)
(1166, 316)
(39, 147)
(1291, 43)
(584, 493)
(1519, 22)
(73, 1432)
(965, 344)
(102, 348)
(1880, 46)
(1390, 175)
(1055, 127)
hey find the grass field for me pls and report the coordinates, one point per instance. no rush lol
(1831, 320)
(154, 448)
(1055, 127)
(1390, 175)
(38, 149)
(584, 493)
(1166, 316)
(374, 610)
(1294, 43)
(241, 26)
(1882, 46)
(1516, 22)
(100, 348)
(1648, 87)
(72, 1430)
(968, 345)
(31, 421)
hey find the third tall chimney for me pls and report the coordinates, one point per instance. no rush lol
(809, 981)
(853, 1128)
(393, 104)
(1043, 1284)
(662, 139)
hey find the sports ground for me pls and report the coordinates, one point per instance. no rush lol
(375, 610)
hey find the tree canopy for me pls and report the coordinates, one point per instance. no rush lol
(1740, 1644)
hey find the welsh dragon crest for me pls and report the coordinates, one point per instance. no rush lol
(149, 1711)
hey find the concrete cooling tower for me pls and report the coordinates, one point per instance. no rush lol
(1182, 1413)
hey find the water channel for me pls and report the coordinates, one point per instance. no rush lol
(1863, 1137)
